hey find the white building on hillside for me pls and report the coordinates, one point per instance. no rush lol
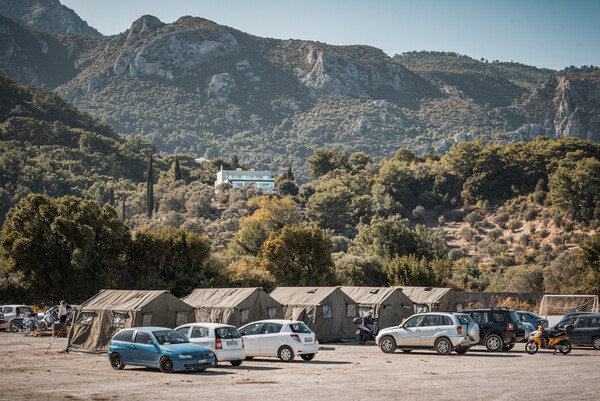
(239, 178)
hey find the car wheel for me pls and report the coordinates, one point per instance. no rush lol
(531, 347)
(462, 350)
(308, 357)
(443, 346)
(508, 347)
(388, 345)
(116, 361)
(285, 354)
(494, 343)
(237, 362)
(13, 327)
(596, 343)
(406, 350)
(565, 347)
(166, 365)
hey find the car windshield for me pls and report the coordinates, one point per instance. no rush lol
(514, 317)
(464, 319)
(299, 328)
(166, 337)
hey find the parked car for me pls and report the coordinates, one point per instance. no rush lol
(499, 328)
(14, 315)
(532, 318)
(223, 340)
(528, 329)
(2, 321)
(284, 339)
(157, 347)
(54, 309)
(443, 332)
(572, 314)
(587, 329)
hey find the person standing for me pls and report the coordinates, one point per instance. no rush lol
(62, 312)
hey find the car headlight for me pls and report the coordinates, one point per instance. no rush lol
(185, 356)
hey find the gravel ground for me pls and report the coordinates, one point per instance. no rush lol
(34, 368)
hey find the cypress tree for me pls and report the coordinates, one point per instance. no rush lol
(111, 195)
(235, 162)
(149, 190)
(177, 169)
(123, 211)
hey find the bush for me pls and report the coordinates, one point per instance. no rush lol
(543, 233)
(473, 218)
(568, 226)
(530, 213)
(514, 225)
(456, 254)
(419, 213)
(467, 234)
(495, 234)
(501, 219)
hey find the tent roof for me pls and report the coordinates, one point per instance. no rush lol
(302, 295)
(373, 295)
(122, 299)
(219, 297)
(423, 295)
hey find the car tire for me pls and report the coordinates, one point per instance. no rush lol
(596, 343)
(508, 347)
(462, 350)
(494, 343)
(388, 344)
(166, 365)
(406, 350)
(286, 354)
(116, 361)
(443, 346)
(237, 362)
(307, 357)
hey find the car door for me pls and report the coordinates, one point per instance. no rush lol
(251, 335)
(410, 333)
(584, 331)
(483, 321)
(429, 329)
(270, 339)
(143, 352)
(201, 335)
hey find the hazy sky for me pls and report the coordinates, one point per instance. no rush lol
(544, 33)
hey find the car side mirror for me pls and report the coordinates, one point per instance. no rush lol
(569, 328)
(152, 342)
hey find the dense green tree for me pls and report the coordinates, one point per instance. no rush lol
(358, 270)
(575, 188)
(149, 189)
(410, 270)
(299, 256)
(326, 160)
(588, 259)
(359, 160)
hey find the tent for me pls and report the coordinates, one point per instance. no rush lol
(434, 299)
(100, 317)
(328, 311)
(235, 306)
(390, 304)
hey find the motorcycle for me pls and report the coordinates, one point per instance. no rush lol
(48, 320)
(363, 333)
(557, 340)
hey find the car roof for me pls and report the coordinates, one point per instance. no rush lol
(147, 328)
(491, 308)
(436, 313)
(209, 325)
(278, 321)
(15, 306)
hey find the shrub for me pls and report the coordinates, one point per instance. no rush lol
(501, 219)
(473, 218)
(467, 234)
(543, 233)
(419, 213)
(495, 234)
(456, 254)
(568, 226)
(514, 225)
(530, 213)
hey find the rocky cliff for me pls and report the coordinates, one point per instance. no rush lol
(46, 15)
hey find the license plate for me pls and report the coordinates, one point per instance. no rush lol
(202, 361)
(308, 340)
(232, 343)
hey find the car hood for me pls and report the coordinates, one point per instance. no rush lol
(184, 348)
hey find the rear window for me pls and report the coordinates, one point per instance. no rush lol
(299, 328)
(227, 332)
(464, 319)
(499, 317)
(124, 335)
(446, 321)
(514, 318)
(198, 332)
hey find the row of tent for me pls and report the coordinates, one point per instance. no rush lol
(328, 311)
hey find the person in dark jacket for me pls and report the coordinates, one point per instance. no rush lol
(371, 323)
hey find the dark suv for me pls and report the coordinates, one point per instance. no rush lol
(499, 328)
(587, 329)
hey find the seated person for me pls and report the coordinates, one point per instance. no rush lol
(371, 323)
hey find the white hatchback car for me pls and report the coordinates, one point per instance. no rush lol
(442, 331)
(224, 340)
(284, 339)
(12, 313)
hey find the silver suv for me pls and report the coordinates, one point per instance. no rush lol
(13, 313)
(443, 332)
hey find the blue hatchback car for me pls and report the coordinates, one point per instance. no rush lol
(158, 347)
(532, 318)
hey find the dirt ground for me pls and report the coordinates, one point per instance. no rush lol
(340, 371)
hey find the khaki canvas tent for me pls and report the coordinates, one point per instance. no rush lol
(389, 304)
(235, 306)
(328, 311)
(100, 317)
(434, 299)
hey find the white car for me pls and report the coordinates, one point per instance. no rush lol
(224, 340)
(442, 331)
(284, 339)
(12, 313)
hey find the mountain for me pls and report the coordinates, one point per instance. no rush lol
(46, 15)
(197, 87)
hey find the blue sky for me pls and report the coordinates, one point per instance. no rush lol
(545, 33)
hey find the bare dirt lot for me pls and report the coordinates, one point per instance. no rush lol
(340, 371)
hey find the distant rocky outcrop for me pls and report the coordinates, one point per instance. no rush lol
(46, 15)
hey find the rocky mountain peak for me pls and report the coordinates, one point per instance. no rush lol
(143, 27)
(46, 15)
